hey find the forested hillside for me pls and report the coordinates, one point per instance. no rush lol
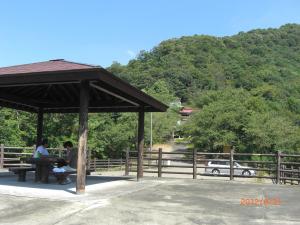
(247, 88)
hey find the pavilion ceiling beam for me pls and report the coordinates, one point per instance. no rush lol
(120, 84)
(101, 109)
(74, 91)
(55, 95)
(96, 95)
(19, 101)
(17, 107)
(29, 102)
(69, 96)
(46, 93)
(33, 91)
(113, 94)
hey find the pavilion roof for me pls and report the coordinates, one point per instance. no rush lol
(48, 66)
(54, 86)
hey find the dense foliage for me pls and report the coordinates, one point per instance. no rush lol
(246, 87)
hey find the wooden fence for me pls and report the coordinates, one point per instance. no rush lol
(279, 167)
(107, 164)
(15, 157)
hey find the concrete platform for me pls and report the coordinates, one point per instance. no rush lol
(166, 201)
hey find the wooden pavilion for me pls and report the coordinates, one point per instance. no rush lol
(59, 86)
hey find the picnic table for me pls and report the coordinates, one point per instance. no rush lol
(43, 167)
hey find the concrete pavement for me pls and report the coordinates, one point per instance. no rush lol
(152, 201)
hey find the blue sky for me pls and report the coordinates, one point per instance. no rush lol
(100, 32)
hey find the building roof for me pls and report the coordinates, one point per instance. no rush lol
(48, 66)
(54, 86)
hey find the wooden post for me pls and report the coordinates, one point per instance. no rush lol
(89, 159)
(140, 144)
(231, 164)
(108, 164)
(298, 176)
(2, 156)
(278, 156)
(195, 164)
(159, 162)
(127, 163)
(83, 133)
(95, 164)
(39, 130)
(34, 148)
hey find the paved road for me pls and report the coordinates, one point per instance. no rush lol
(155, 201)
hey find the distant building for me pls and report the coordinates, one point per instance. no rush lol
(186, 111)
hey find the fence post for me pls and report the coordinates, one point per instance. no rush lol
(159, 161)
(95, 163)
(127, 163)
(231, 163)
(195, 164)
(121, 162)
(278, 156)
(298, 176)
(90, 158)
(108, 164)
(2, 156)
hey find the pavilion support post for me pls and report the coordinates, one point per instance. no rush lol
(140, 144)
(40, 125)
(83, 133)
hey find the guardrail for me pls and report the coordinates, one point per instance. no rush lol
(279, 167)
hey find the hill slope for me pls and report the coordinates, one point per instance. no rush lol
(247, 85)
(200, 62)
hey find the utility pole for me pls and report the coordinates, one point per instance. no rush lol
(151, 137)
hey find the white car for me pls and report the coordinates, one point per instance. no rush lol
(220, 166)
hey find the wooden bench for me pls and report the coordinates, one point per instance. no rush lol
(21, 172)
(61, 176)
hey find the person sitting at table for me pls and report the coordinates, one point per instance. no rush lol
(71, 158)
(70, 161)
(42, 149)
(63, 165)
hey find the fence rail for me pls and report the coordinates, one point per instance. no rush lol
(15, 157)
(271, 166)
(280, 167)
(107, 164)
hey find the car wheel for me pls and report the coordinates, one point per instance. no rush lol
(215, 172)
(246, 173)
